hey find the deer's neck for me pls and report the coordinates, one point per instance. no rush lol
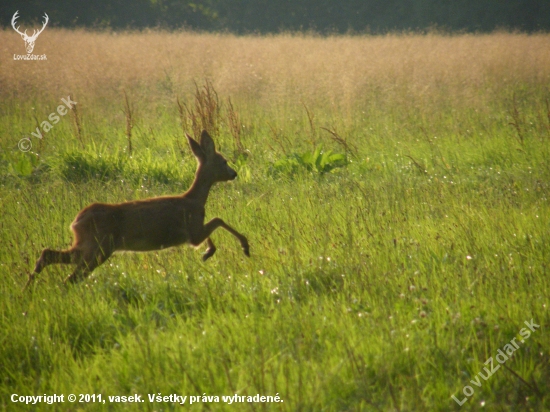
(200, 188)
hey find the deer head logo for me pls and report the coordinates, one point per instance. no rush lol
(29, 40)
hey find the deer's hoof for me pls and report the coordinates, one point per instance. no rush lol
(208, 254)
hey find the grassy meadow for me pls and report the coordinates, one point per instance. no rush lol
(394, 190)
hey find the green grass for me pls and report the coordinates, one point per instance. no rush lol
(383, 284)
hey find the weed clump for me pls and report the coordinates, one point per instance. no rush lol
(316, 162)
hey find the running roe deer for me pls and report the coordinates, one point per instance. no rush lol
(151, 224)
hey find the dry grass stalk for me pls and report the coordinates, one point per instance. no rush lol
(420, 167)
(348, 147)
(516, 120)
(437, 156)
(312, 130)
(205, 114)
(77, 123)
(129, 114)
(183, 121)
(279, 138)
(41, 140)
(181, 112)
(235, 127)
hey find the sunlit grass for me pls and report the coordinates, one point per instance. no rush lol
(383, 284)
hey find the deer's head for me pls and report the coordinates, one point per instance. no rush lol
(29, 40)
(213, 165)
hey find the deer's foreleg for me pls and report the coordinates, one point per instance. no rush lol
(210, 251)
(213, 225)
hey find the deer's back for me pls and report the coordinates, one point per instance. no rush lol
(140, 225)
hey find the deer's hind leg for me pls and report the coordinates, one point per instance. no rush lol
(90, 259)
(50, 257)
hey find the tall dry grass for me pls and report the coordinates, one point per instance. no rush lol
(342, 71)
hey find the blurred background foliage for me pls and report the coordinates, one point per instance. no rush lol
(266, 16)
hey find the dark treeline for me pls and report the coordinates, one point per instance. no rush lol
(270, 16)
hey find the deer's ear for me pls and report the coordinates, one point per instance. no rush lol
(195, 148)
(207, 144)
